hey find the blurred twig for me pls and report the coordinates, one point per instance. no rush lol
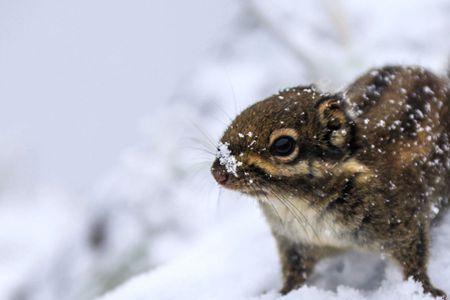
(338, 18)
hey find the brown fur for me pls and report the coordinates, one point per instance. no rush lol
(368, 166)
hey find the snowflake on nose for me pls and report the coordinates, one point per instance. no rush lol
(227, 159)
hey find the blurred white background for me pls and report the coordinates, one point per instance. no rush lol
(100, 179)
(76, 76)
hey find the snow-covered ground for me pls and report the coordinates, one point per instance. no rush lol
(237, 260)
(159, 214)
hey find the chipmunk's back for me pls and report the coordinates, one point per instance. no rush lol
(402, 115)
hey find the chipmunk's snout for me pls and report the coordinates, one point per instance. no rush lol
(220, 175)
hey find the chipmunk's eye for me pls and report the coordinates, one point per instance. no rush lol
(283, 146)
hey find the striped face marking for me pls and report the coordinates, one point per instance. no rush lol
(279, 143)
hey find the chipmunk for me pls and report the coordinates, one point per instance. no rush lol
(363, 169)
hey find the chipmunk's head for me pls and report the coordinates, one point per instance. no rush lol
(284, 142)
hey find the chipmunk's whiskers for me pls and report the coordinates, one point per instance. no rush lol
(294, 211)
(219, 196)
(299, 217)
(208, 142)
(221, 109)
(267, 200)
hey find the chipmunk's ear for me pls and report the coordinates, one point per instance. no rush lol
(337, 127)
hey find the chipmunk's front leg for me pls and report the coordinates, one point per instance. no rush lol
(297, 262)
(412, 255)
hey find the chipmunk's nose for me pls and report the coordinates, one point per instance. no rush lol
(221, 176)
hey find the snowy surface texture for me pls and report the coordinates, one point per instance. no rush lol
(159, 214)
(238, 261)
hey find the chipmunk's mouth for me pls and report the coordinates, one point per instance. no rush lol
(227, 180)
(239, 183)
(247, 189)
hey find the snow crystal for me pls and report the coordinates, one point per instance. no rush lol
(381, 123)
(428, 90)
(226, 159)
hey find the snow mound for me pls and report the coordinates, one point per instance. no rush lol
(238, 261)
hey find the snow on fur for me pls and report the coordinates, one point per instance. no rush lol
(226, 159)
